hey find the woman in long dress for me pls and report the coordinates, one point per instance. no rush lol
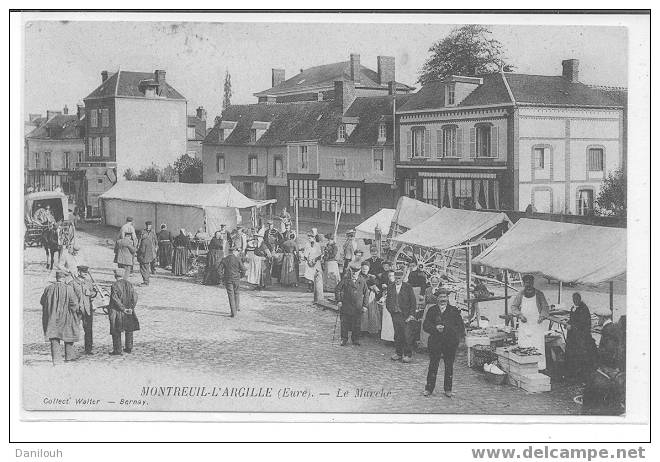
(181, 258)
(213, 258)
(288, 273)
(331, 276)
(265, 253)
(311, 261)
(253, 275)
(164, 247)
(372, 318)
(387, 326)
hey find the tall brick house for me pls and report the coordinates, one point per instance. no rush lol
(133, 120)
(196, 132)
(310, 141)
(508, 140)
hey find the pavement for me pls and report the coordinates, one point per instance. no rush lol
(280, 354)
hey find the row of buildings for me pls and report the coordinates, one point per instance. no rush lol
(345, 133)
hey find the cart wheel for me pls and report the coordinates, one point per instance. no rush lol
(434, 261)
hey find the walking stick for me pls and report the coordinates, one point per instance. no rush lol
(334, 331)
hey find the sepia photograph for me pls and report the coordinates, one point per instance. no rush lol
(300, 216)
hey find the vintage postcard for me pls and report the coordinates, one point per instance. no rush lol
(415, 216)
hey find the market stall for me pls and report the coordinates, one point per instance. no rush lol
(381, 219)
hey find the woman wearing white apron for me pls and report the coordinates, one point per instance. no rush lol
(532, 310)
(387, 327)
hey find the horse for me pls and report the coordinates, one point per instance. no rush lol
(51, 243)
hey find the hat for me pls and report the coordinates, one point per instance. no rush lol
(389, 263)
(270, 222)
(398, 273)
(528, 277)
(602, 311)
(83, 269)
(59, 274)
(442, 291)
(147, 222)
(354, 266)
(350, 231)
(357, 251)
(76, 247)
(373, 248)
(365, 263)
(310, 234)
(119, 273)
(129, 218)
(163, 226)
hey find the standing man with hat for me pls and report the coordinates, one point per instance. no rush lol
(121, 313)
(531, 308)
(401, 303)
(165, 247)
(150, 233)
(124, 252)
(232, 270)
(445, 327)
(85, 291)
(128, 228)
(352, 294)
(60, 309)
(146, 253)
(348, 251)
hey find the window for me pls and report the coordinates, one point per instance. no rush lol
(99, 181)
(539, 158)
(49, 163)
(430, 191)
(93, 118)
(449, 142)
(382, 132)
(306, 190)
(419, 142)
(94, 146)
(451, 94)
(410, 187)
(585, 202)
(303, 157)
(253, 135)
(220, 163)
(252, 165)
(191, 133)
(595, 159)
(341, 136)
(105, 148)
(483, 141)
(221, 135)
(105, 117)
(80, 156)
(340, 166)
(67, 160)
(351, 198)
(278, 169)
(37, 161)
(378, 159)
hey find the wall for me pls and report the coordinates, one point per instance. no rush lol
(194, 148)
(566, 134)
(57, 148)
(359, 164)
(99, 130)
(149, 131)
(293, 166)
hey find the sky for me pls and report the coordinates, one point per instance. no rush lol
(63, 60)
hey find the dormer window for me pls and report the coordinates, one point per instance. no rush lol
(257, 130)
(253, 135)
(382, 132)
(225, 129)
(451, 94)
(341, 136)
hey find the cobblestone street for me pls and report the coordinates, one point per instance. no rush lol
(279, 340)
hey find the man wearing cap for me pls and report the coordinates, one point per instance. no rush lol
(150, 233)
(85, 291)
(165, 248)
(231, 271)
(348, 251)
(445, 327)
(121, 313)
(531, 308)
(375, 262)
(146, 253)
(352, 295)
(401, 303)
(124, 252)
(128, 228)
(59, 318)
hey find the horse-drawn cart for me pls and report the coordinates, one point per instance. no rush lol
(47, 220)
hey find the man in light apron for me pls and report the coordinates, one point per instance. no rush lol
(531, 308)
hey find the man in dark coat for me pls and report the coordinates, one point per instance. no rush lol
(124, 252)
(580, 345)
(231, 271)
(151, 234)
(401, 303)
(146, 253)
(121, 313)
(60, 321)
(85, 291)
(445, 327)
(375, 262)
(352, 293)
(164, 246)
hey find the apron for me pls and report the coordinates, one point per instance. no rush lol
(387, 328)
(530, 333)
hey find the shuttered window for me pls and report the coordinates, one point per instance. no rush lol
(595, 159)
(105, 148)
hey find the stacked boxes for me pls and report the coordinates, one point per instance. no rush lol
(472, 340)
(523, 371)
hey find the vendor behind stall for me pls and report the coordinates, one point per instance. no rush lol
(580, 345)
(531, 308)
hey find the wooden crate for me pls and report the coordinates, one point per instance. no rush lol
(471, 341)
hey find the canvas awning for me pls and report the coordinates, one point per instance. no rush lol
(410, 212)
(191, 194)
(565, 252)
(382, 219)
(451, 227)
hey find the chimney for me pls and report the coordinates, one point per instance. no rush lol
(385, 69)
(80, 110)
(201, 113)
(344, 94)
(65, 111)
(159, 75)
(277, 77)
(571, 70)
(355, 67)
(104, 76)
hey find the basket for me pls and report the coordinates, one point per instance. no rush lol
(497, 379)
(482, 354)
